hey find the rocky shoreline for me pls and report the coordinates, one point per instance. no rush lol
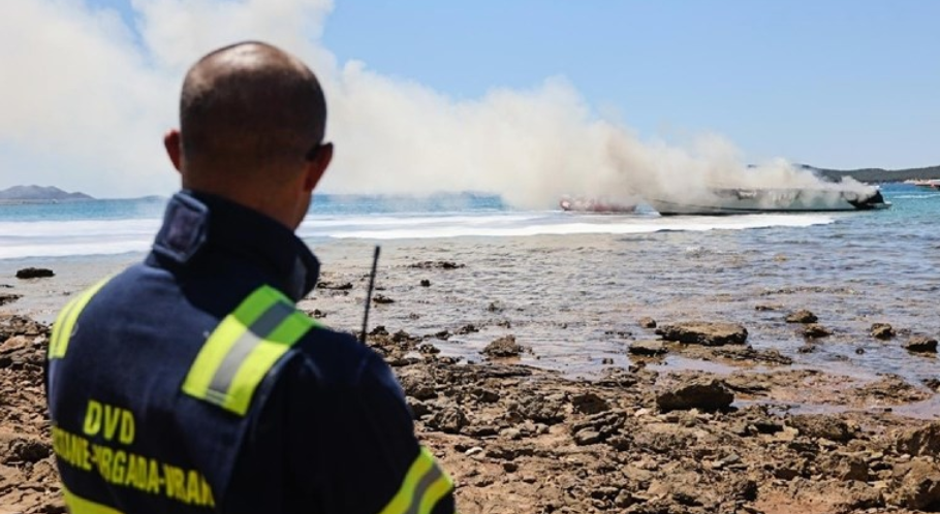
(520, 439)
(526, 440)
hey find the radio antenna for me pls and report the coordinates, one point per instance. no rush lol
(365, 319)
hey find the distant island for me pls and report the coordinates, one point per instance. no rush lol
(877, 175)
(18, 194)
(39, 194)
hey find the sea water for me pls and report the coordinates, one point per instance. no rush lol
(571, 286)
(101, 227)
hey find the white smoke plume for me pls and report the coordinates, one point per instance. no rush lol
(87, 98)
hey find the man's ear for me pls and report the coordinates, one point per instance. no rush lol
(316, 167)
(173, 145)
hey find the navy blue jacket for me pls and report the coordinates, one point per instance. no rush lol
(328, 430)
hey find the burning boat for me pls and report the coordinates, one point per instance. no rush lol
(930, 184)
(595, 206)
(749, 201)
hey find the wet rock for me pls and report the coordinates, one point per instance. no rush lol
(882, 331)
(589, 403)
(891, 388)
(647, 348)
(436, 265)
(822, 426)
(622, 334)
(801, 316)
(334, 286)
(767, 308)
(647, 322)
(381, 299)
(916, 485)
(425, 282)
(503, 347)
(704, 333)
(467, 329)
(748, 353)
(920, 441)
(404, 337)
(6, 298)
(450, 419)
(428, 349)
(921, 344)
(34, 273)
(815, 331)
(748, 384)
(617, 377)
(705, 395)
(933, 384)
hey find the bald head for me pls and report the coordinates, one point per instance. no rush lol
(249, 111)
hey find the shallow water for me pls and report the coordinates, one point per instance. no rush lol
(567, 285)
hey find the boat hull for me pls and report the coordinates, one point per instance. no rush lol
(751, 201)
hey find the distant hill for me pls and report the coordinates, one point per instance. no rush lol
(879, 174)
(40, 194)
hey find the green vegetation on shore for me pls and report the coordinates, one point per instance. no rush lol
(879, 174)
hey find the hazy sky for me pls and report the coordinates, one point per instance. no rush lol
(89, 86)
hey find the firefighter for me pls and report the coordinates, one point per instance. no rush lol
(190, 382)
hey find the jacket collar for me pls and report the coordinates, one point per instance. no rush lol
(195, 221)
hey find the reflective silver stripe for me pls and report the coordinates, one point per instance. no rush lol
(423, 485)
(257, 332)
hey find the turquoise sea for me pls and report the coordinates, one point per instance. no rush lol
(571, 286)
(115, 226)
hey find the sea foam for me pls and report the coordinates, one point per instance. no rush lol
(22, 239)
